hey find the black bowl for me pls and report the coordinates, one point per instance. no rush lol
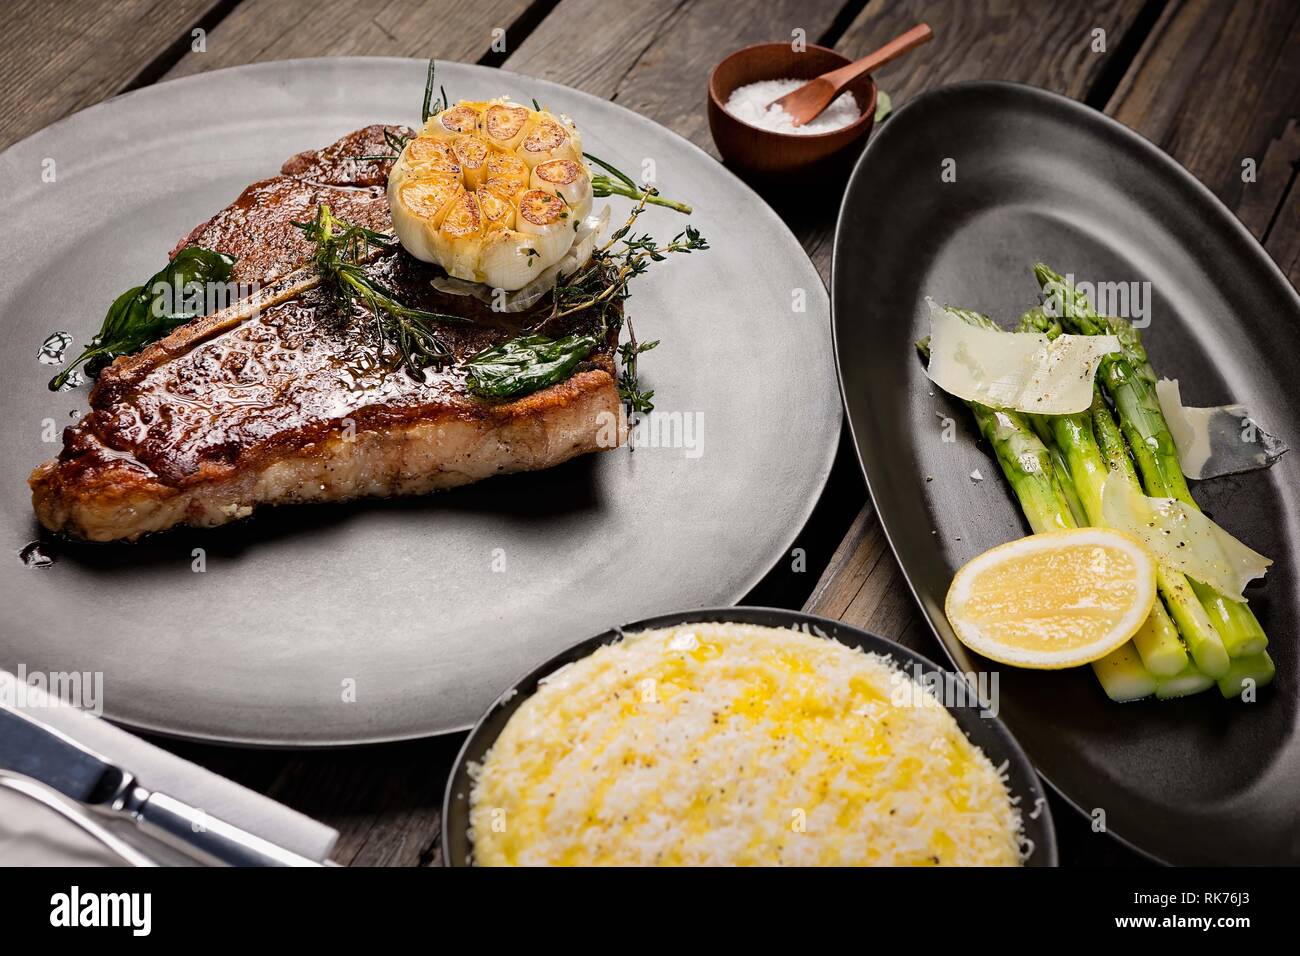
(987, 733)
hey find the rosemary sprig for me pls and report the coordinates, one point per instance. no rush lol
(425, 109)
(393, 141)
(340, 250)
(621, 184)
(428, 107)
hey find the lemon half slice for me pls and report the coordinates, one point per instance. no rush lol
(1053, 600)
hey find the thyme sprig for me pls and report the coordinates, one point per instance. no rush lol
(603, 282)
(629, 384)
(427, 110)
(606, 276)
(340, 249)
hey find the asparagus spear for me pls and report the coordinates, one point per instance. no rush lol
(1130, 380)
(1184, 604)
(1027, 465)
(1078, 436)
(1042, 427)
(1256, 667)
(1024, 458)
(1122, 675)
(1190, 681)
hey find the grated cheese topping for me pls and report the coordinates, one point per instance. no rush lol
(715, 744)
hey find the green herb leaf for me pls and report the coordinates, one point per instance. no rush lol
(603, 283)
(884, 105)
(141, 315)
(622, 185)
(526, 363)
(629, 385)
(425, 110)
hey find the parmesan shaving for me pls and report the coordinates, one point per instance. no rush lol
(1024, 371)
(1182, 537)
(1216, 441)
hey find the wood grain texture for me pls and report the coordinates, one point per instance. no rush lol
(386, 801)
(1044, 44)
(1216, 84)
(655, 57)
(61, 57)
(1283, 242)
(864, 586)
(259, 30)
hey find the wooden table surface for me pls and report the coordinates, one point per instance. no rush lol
(1213, 82)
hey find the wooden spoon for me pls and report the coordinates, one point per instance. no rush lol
(807, 103)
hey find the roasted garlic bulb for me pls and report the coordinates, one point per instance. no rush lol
(493, 192)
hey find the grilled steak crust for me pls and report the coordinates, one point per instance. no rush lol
(280, 398)
(257, 228)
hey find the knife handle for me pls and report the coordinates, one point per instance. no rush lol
(196, 833)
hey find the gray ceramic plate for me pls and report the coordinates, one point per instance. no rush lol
(377, 621)
(1040, 177)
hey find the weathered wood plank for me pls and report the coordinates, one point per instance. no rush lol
(260, 30)
(1216, 85)
(864, 586)
(655, 57)
(385, 800)
(61, 57)
(1044, 44)
(1283, 242)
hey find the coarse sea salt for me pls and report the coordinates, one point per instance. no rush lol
(750, 104)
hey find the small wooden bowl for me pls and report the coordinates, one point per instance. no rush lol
(763, 152)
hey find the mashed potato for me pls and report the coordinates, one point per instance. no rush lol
(734, 744)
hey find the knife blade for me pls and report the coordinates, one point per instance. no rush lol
(31, 748)
(44, 754)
